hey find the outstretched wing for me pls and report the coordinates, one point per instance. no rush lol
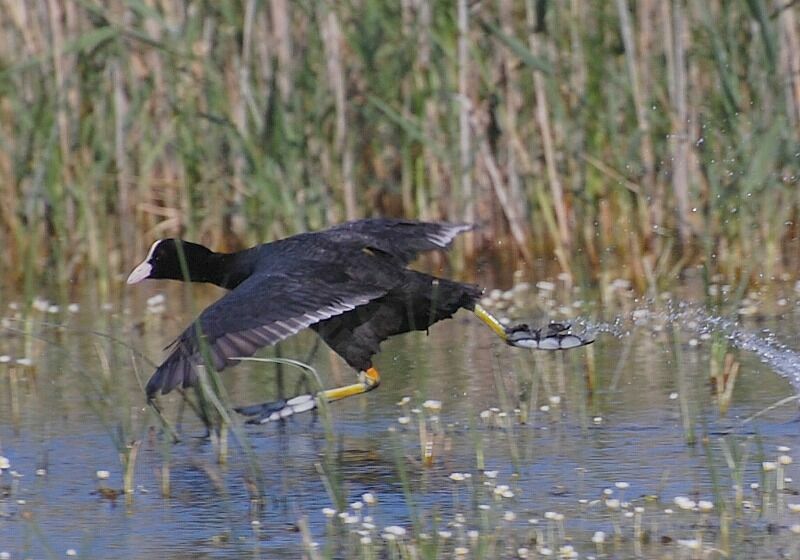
(263, 310)
(404, 239)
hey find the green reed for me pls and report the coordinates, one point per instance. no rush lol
(638, 136)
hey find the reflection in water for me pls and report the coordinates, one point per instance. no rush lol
(524, 446)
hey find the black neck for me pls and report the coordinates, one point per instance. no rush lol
(226, 270)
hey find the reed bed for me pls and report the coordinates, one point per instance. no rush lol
(637, 137)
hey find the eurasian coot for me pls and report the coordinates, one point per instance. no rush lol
(349, 283)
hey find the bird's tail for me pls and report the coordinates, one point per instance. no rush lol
(440, 298)
(178, 370)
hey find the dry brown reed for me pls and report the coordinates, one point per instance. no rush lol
(624, 138)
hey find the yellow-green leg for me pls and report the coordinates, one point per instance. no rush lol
(368, 380)
(492, 321)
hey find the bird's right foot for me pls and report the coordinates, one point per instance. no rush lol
(555, 336)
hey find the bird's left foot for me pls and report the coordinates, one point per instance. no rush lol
(555, 336)
(277, 410)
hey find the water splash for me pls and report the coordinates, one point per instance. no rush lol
(694, 319)
(765, 345)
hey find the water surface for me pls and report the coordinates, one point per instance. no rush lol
(644, 428)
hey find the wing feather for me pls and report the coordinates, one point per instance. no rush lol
(404, 239)
(261, 311)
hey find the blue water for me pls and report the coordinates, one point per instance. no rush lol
(576, 442)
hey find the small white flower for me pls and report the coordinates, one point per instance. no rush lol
(509, 516)
(328, 512)
(769, 466)
(599, 537)
(621, 485)
(691, 544)
(705, 506)
(567, 551)
(156, 300)
(457, 477)
(684, 503)
(395, 530)
(4, 463)
(369, 498)
(102, 475)
(785, 460)
(432, 405)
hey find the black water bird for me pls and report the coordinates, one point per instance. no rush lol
(349, 283)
